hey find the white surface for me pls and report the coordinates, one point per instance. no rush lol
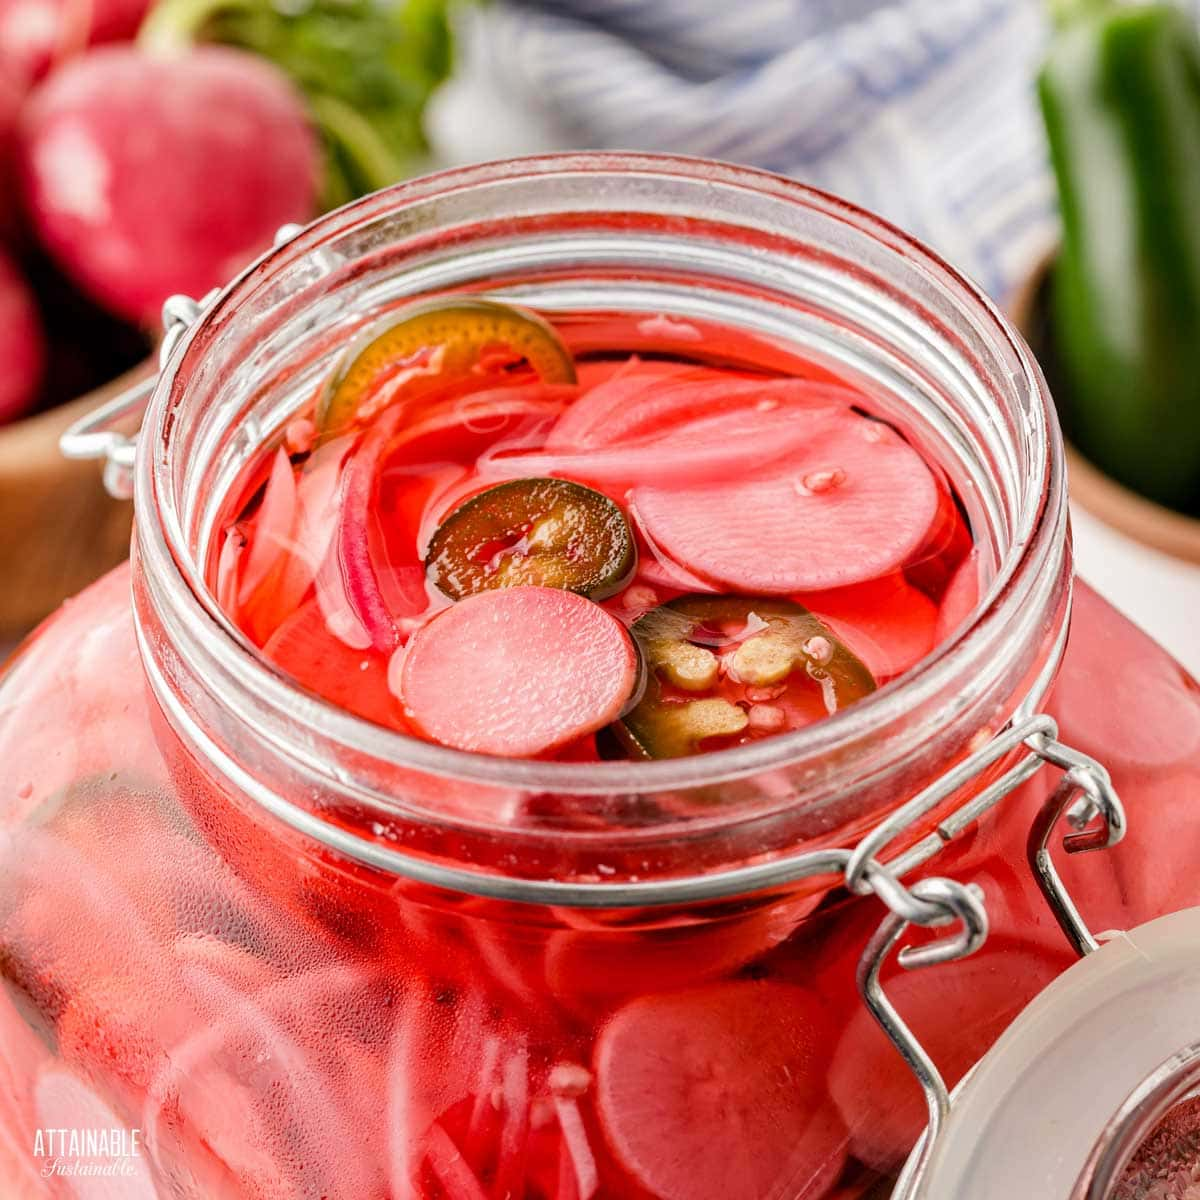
(1159, 593)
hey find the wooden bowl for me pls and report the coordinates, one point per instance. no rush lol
(59, 528)
(1134, 516)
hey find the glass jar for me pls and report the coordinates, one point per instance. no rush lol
(289, 953)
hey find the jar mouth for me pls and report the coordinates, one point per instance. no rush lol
(1033, 537)
(1165, 1089)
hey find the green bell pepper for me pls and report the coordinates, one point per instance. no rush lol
(1120, 93)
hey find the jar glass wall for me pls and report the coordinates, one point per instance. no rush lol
(307, 956)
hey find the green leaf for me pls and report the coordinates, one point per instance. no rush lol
(367, 69)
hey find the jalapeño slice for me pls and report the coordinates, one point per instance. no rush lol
(540, 532)
(456, 331)
(727, 669)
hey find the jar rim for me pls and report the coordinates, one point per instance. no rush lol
(164, 550)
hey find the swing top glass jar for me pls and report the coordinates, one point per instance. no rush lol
(304, 953)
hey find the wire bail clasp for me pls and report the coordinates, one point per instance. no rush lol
(1084, 794)
(951, 901)
(102, 432)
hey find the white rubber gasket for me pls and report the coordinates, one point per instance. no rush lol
(1026, 1120)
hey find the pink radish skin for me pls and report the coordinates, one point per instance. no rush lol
(579, 426)
(517, 671)
(146, 176)
(692, 456)
(736, 1109)
(22, 347)
(851, 504)
(37, 34)
(669, 405)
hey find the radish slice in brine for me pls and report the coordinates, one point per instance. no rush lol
(581, 426)
(718, 448)
(887, 622)
(643, 405)
(666, 410)
(960, 597)
(517, 671)
(719, 1093)
(850, 504)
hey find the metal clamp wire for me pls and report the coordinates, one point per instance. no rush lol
(1085, 779)
(98, 434)
(954, 901)
(863, 870)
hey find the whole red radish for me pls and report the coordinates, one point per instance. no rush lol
(34, 34)
(147, 175)
(11, 96)
(22, 350)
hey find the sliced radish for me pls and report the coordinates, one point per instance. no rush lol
(579, 426)
(517, 671)
(271, 544)
(886, 622)
(719, 1093)
(677, 405)
(664, 574)
(693, 456)
(947, 543)
(660, 571)
(355, 680)
(1112, 658)
(850, 504)
(959, 599)
(592, 971)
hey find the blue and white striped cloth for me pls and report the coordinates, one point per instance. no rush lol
(922, 110)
